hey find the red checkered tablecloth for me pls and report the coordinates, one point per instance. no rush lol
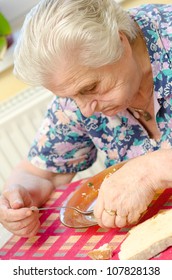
(54, 241)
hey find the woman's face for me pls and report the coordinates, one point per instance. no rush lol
(109, 89)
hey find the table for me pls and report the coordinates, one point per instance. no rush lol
(54, 241)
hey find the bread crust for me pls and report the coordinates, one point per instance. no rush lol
(149, 238)
(102, 253)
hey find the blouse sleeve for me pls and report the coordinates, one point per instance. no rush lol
(62, 145)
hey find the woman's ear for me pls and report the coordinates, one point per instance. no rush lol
(121, 35)
(125, 42)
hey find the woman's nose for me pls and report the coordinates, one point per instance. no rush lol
(89, 108)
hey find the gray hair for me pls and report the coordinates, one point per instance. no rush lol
(86, 31)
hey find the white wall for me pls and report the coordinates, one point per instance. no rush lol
(15, 10)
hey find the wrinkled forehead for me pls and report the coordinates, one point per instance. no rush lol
(73, 77)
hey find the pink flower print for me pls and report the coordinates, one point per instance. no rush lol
(109, 138)
(169, 29)
(156, 66)
(121, 137)
(98, 142)
(74, 162)
(67, 104)
(166, 43)
(170, 123)
(113, 154)
(60, 161)
(135, 151)
(83, 153)
(123, 151)
(42, 141)
(156, 56)
(45, 127)
(159, 43)
(162, 125)
(62, 148)
(62, 118)
(165, 65)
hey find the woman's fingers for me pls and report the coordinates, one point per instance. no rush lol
(133, 217)
(121, 221)
(23, 227)
(98, 209)
(121, 213)
(111, 221)
(107, 219)
(14, 215)
(21, 222)
(104, 219)
(28, 231)
(17, 196)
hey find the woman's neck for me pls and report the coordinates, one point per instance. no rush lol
(141, 57)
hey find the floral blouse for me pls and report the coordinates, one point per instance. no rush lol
(68, 142)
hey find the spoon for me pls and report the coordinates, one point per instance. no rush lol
(88, 212)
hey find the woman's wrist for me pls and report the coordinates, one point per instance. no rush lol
(160, 164)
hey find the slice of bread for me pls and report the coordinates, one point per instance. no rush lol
(104, 252)
(149, 238)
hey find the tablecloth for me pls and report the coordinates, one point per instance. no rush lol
(54, 241)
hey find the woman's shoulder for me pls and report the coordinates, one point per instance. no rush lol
(63, 108)
(155, 21)
(152, 11)
(58, 103)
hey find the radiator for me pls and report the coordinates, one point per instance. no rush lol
(19, 119)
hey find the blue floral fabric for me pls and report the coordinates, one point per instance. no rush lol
(68, 142)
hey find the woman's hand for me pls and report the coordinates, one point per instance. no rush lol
(15, 213)
(27, 186)
(126, 194)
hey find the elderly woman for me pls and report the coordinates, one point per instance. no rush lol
(111, 73)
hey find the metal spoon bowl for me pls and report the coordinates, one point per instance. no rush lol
(88, 212)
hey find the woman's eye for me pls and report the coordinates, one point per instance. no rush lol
(93, 87)
(88, 89)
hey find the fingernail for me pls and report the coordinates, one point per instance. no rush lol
(17, 204)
